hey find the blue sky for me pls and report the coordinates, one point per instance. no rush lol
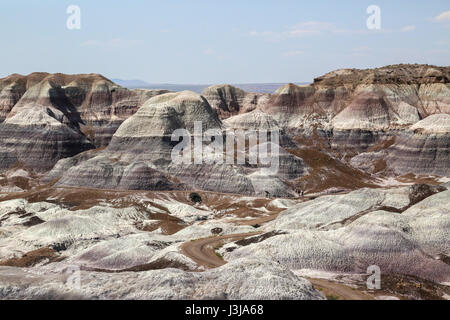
(200, 41)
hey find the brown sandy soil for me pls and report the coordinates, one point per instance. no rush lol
(168, 226)
(327, 172)
(412, 288)
(154, 265)
(32, 221)
(258, 221)
(230, 203)
(382, 144)
(33, 258)
(379, 166)
(21, 182)
(83, 198)
(411, 178)
(258, 238)
(74, 198)
(403, 287)
(203, 252)
(338, 291)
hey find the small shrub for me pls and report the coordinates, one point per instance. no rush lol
(216, 230)
(195, 197)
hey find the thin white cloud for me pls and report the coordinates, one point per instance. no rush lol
(91, 43)
(113, 43)
(443, 17)
(123, 42)
(317, 28)
(408, 28)
(262, 33)
(292, 53)
(311, 28)
(270, 36)
(304, 29)
(352, 31)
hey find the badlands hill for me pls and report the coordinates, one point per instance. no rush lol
(141, 148)
(380, 98)
(87, 181)
(228, 100)
(46, 117)
(348, 129)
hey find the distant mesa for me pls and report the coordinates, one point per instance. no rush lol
(249, 87)
(131, 84)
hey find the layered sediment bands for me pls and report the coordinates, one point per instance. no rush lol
(140, 155)
(295, 106)
(378, 109)
(435, 98)
(228, 100)
(424, 149)
(289, 98)
(147, 134)
(261, 180)
(65, 164)
(142, 143)
(346, 143)
(367, 111)
(434, 124)
(356, 140)
(42, 128)
(53, 116)
(358, 109)
(9, 96)
(163, 114)
(254, 120)
(222, 178)
(362, 123)
(106, 173)
(95, 104)
(12, 88)
(259, 122)
(399, 95)
(109, 109)
(37, 140)
(353, 111)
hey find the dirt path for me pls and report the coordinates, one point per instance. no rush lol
(260, 221)
(338, 291)
(203, 252)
